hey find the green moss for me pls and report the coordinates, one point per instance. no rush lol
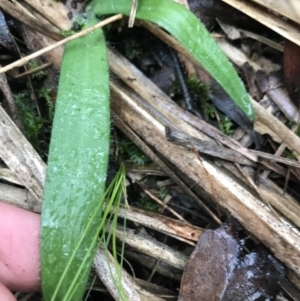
(226, 125)
(163, 192)
(289, 154)
(131, 152)
(31, 121)
(199, 90)
(44, 93)
(148, 204)
(133, 49)
(35, 126)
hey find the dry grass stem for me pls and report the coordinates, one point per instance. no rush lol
(26, 59)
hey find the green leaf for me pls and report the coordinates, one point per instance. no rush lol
(77, 166)
(188, 30)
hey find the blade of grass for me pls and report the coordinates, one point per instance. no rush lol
(90, 289)
(113, 195)
(118, 281)
(188, 30)
(105, 239)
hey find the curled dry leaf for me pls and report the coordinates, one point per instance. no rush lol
(216, 271)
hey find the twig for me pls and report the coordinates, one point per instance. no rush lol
(133, 10)
(35, 70)
(26, 59)
(161, 203)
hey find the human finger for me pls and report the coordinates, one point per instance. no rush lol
(19, 248)
(5, 294)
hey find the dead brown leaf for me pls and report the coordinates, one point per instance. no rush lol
(216, 271)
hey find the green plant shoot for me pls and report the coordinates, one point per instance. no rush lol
(77, 166)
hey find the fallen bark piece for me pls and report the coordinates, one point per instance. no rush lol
(291, 71)
(216, 271)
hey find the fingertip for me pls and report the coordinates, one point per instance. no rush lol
(5, 294)
(19, 248)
